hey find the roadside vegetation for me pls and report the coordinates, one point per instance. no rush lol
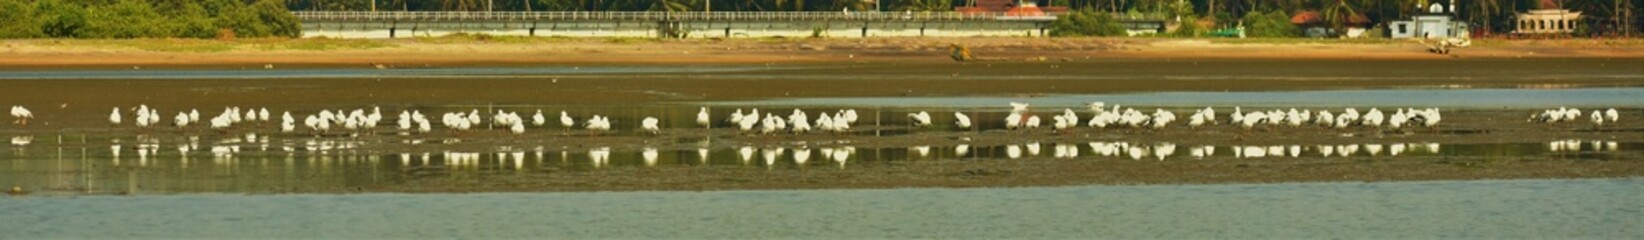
(115, 19)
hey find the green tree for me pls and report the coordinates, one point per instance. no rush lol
(18, 20)
(1086, 23)
(280, 22)
(1275, 24)
(59, 19)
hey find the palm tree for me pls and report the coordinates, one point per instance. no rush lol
(1338, 15)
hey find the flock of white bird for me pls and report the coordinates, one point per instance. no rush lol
(1020, 117)
(1564, 114)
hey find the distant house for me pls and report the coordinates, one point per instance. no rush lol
(1438, 20)
(1548, 19)
(1313, 24)
(1015, 8)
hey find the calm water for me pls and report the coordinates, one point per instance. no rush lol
(1527, 98)
(253, 167)
(1511, 209)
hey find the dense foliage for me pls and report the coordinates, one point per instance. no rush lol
(146, 19)
(1086, 23)
(1274, 24)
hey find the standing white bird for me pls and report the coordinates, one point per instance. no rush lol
(1032, 122)
(748, 121)
(518, 127)
(920, 119)
(961, 120)
(114, 117)
(566, 121)
(287, 123)
(850, 115)
(1013, 121)
(262, 115)
(181, 120)
(1210, 115)
(404, 122)
(194, 115)
(1373, 118)
(1397, 120)
(1612, 114)
(1197, 119)
(1598, 119)
(650, 126)
(22, 114)
(537, 119)
(736, 117)
(702, 118)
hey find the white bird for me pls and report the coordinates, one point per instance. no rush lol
(1059, 123)
(1325, 118)
(517, 128)
(1611, 114)
(287, 123)
(961, 120)
(1210, 115)
(1397, 120)
(650, 125)
(1373, 118)
(1430, 118)
(850, 115)
(747, 122)
(1197, 119)
(405, 121)
(1251, 119)
(1238, 115)
(114, 117)
(22, 114)
(920, 119)
(193, 115)
(1032, 122)
(565, 120)
(262, 115)
(181, 120)
(702, 118)
(1598, 118)
(1013, 121)
(840, 124)
(474, 117)
(736, 117)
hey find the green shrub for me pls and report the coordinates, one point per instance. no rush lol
(59, 19)
(17, 20)
(1189, 27)
(1268, 25)
(1086, 23)
(146, 19)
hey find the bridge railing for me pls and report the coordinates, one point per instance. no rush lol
(661, 16)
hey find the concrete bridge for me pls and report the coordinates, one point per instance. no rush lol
(671, 24)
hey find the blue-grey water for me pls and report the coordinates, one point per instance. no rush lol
(1491, 209)
(1519, 98)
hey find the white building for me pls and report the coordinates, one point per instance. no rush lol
(1439, 21)
(1547, 21)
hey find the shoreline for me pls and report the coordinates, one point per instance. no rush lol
(443, 52)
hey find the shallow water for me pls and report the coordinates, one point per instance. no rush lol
(251, 167)
(1535, 209)
(1514, 98)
